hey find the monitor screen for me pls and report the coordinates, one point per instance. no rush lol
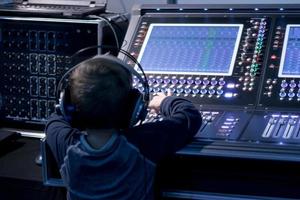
(197, 49)
(290, 57)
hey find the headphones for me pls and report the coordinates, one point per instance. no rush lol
(138, 101)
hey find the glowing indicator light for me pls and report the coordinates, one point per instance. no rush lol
(230, 85)
(256, 9)
(228, 95)
(231, 9)
(281, 9)
(206, 9)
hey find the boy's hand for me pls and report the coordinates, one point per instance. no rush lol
(154, 104)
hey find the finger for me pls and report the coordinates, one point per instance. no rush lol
(169, 92)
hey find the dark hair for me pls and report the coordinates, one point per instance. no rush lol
(99, 89)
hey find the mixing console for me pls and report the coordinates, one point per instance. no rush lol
(240, 68)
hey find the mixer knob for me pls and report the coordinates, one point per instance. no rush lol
(179, 90)
(196, 91)
(198, 81)
(292, 84)
(282, 94)
(203, 91)
(211, 91)
(187, 90)
(155, 90)
(222, 82)
(174, 81)
(291, 94)
(220, 92)
(190, 80)
(167, 80)
(214, 82)
(182, 80)
(205, 82)
(159, 80)
(284, 84)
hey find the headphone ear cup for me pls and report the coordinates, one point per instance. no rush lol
(137, 107)
(66, 108)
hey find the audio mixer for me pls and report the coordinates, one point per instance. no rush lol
(239, 66)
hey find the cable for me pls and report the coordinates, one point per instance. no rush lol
(111, 27)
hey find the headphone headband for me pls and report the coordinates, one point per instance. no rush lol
(138, 100)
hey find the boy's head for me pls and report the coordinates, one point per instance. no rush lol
(99, 89)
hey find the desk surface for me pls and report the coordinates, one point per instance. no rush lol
(17, 160)
(20, 177)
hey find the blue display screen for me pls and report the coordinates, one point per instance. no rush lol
(290, 58)
(204, 49)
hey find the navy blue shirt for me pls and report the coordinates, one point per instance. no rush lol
(124, 167)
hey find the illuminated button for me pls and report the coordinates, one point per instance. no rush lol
(220, 92)
(159, 80)
(228, 94)
(182, 80)
(291, 94)
(166, 80)
(179, 90)
(174, 81)
(210, 91)
(230, 85)
(151, 80)
(157, 89)
(195, 91)
(222, 82)
(187, 90)
(203, 91)
(205, 82)
(293, 84)
(190, 80)
(284, 84)
(213, 82)
(282, 94)
(198, 81)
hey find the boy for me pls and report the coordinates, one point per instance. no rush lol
(109, 160)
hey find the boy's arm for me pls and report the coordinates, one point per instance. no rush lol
(60, 135)
(159, 139)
